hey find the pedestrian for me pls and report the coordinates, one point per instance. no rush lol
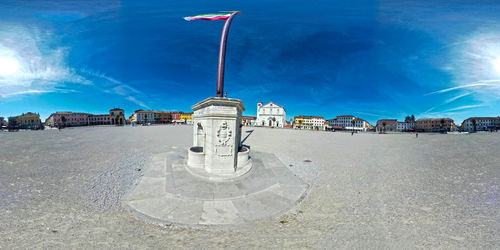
(416, 135)
(352, 133)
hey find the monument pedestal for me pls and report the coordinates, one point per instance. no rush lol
(217, 149)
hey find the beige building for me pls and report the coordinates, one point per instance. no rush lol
(435, 125)
(117, 116)
(29, 121)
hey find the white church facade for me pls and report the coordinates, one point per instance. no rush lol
(270, 115)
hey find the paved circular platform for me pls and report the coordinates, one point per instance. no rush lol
(168, 193)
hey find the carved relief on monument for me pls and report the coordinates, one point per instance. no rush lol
(224, 134)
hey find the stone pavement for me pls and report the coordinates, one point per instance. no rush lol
(168, 193)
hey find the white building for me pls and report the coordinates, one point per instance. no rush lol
(248, 120)
(143, 116)
(318, 122)
(361, 125)
(270, 115)
(406, 126)
(345, 122)
(341, 122)
(481, 124)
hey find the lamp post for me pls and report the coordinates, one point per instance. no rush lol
(222, 54)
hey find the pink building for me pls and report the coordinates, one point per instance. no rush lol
(384, 125)
(116, 116)
(67, 119)
(99, 119)
(176, 116)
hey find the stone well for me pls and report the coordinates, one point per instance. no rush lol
(217, 149)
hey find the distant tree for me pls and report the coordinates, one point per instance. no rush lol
(383, 125)
(474, 125)
(410, 118)
(300, 124)
(353, 122)
(274, 120)
(442, 121)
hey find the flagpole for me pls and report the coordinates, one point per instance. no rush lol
(222, 54)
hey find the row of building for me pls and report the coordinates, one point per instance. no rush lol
(268, 115)
(32, 120)
(274, 115)
(160, 117)
(472, 124)
(116, 116)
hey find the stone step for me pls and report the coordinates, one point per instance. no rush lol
(174, 195)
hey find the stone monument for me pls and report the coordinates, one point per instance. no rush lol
(217, 149)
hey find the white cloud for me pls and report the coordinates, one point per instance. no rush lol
(474, 61)
(113, 86)
(465, 107)
(370, 114)
(471, 65)
(478, 84)
(134, 100)
(41, 70)
(44, 70)
(25, 92)
(450, 100)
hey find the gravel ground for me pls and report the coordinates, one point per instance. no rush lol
(63, 189)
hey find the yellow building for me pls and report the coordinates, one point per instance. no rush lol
(309, 122)
(298, 122)
(29, 121)
(186, 117)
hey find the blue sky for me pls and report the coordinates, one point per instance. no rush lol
(371, 59)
